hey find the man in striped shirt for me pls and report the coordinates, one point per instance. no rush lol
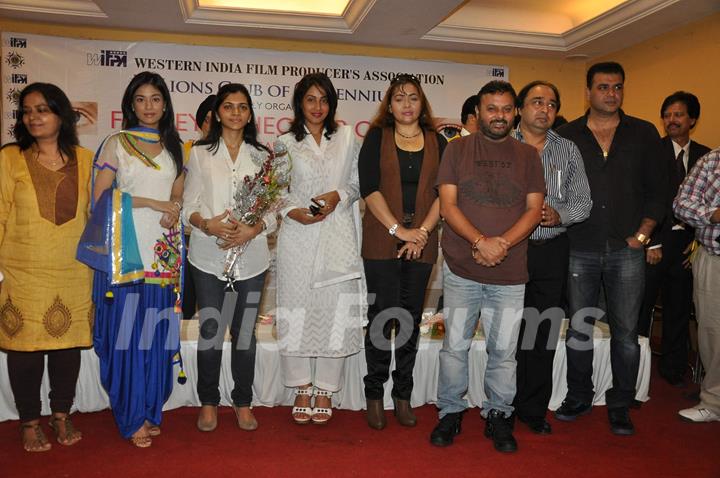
(567, 201)
(698, 204)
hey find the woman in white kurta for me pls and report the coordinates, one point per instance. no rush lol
(320, 284)
(218, 165)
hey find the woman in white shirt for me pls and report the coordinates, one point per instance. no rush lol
(320, 282)
(217, 166)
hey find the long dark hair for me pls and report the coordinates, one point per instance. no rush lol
(59, 104)
(215, 133)
(321, 80)
(168, 134)
(384, 116)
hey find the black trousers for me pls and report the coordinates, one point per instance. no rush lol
(220, 308)
(398, 289)
(25, 370)
(674, 283)
(546, 289)
(189, 305)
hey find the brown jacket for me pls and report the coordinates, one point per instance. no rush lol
(377, 243)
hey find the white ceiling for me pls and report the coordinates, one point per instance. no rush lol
(548, 28)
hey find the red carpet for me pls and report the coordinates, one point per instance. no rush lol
(664, 446)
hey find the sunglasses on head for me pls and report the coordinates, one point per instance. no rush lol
(404, 78)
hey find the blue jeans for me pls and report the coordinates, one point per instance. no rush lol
(622, 273)
(500, 308)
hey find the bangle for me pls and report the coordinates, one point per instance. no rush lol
(474, 245)
(178, 204)
(423, 228)
(393, 229)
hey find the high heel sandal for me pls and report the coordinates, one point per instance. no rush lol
(249, 423)
(207, 418)
(317, 412)
(39, 442)
(302, 415)
(70, 435)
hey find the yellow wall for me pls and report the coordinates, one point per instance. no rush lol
(567, 75)
(683, 59)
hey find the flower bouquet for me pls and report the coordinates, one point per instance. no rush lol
(257, 196)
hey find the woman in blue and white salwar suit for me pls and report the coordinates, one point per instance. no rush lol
(137, 319)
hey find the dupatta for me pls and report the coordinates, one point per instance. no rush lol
(108, 243)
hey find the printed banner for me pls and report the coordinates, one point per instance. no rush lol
(94, 75)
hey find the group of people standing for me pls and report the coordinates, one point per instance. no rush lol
(337, 274)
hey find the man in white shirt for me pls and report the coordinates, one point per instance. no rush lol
(667, 268)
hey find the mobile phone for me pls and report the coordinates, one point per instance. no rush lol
(314, 210)
(315, 207)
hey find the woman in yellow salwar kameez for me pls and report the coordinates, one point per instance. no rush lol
(45, 306)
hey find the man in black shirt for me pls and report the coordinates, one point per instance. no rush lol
(628, 181)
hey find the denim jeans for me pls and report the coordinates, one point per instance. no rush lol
(220, 308)
(622, 274)
(500, 309)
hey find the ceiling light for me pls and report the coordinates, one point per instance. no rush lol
(311, 7)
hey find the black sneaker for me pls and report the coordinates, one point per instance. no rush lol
(571, 409)
(446, 429)
(620, 423)
(499, 430)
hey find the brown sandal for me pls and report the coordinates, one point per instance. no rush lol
(66, 433)
(39, 442)
(141, 441)
(153, 430)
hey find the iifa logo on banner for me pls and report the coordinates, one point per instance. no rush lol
(94, 75)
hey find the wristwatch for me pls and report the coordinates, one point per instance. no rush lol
(644, 240)
(393, 229)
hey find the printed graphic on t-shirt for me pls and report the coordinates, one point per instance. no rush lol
(491, 189)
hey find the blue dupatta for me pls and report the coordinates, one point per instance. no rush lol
(108, 243)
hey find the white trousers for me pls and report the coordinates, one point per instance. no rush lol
(299, 371)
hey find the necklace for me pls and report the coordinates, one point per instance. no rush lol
(53, 163)
(409, 136)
